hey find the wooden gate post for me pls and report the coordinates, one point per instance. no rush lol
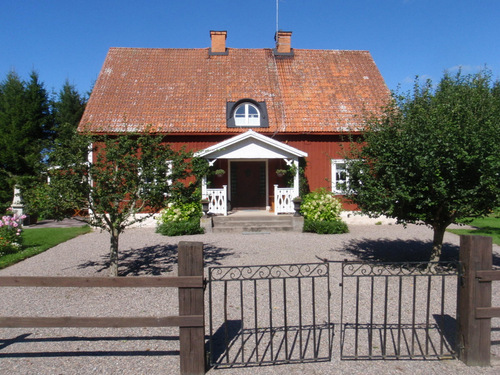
(191, 302)
(474, 335)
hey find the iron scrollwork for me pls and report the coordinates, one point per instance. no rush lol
(399, 269)
(274, 271)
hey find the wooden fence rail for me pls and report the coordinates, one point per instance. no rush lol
(103, 282)
(191, 318)
(474, 300)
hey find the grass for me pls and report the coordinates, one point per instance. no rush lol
(488, 226)
(37, 240)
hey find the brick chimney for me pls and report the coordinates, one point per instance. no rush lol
(218, 42)
(283, 42)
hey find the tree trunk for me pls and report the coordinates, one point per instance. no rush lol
(437, 242)
(113, 254)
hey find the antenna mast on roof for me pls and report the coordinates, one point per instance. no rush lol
(277, 13)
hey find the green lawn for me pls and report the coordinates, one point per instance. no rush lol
(37, 240)
(488, 226)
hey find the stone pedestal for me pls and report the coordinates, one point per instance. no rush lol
(298, 223)
(206, 223)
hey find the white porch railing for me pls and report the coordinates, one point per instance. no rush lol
(283, 200)
(217, 199)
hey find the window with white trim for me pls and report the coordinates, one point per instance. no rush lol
(170, 169)
(247, 114)
(149, 182)
(339, 176)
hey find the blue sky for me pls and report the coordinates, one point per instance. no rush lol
(69, 39)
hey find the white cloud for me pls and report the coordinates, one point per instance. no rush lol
(465, 68)
(421, 78)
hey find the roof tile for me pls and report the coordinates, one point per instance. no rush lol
(186, 90)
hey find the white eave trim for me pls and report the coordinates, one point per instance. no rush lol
(239, 146)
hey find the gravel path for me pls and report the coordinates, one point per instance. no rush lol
(155, 351)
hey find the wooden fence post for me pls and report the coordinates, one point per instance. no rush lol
(191, 302)
(474, 335)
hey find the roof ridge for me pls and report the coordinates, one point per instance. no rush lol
(240, 49)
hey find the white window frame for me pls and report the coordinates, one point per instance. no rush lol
(335, 180)
(170, 165)
(247, 119)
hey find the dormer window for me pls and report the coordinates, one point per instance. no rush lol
(247, 113)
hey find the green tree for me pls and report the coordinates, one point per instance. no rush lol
(433, 157)
(67, 111)
(130, 174)
(25, 126)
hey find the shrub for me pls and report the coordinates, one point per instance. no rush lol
(10, 233)
(180, 228)
(321, 211)
(325, 227)
(178, 212)
(321, 205)
(180, 219)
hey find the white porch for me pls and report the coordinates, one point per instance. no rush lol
(251, 147)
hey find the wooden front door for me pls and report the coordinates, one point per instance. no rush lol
(248, 184)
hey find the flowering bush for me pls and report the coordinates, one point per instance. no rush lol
(180, 219)
(10, 233)
(321, 205)
(321, 212)
(177, 212)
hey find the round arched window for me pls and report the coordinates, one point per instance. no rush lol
(246, 114)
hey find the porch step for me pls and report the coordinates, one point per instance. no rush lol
(240, 224)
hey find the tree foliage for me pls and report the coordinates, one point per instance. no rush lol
(25, 128)
(30, 124)
(433, 157)
(67, 111)
(129, 174)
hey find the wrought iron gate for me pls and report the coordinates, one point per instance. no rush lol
(272, 314)
(398, 310)
(269, 314)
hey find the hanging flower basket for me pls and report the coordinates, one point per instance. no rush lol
(280, 172)
(220, 172)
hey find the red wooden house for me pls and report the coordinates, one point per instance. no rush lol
(250, 112)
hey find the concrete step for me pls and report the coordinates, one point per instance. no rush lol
(255, 218)
(251, 229)
(239, 224)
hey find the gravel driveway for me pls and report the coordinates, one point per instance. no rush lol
(155, 351)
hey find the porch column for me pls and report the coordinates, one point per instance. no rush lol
(204, 187)
(296, 178)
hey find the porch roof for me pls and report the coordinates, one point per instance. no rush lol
(251, 145)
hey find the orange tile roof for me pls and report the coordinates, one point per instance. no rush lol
(186, 90)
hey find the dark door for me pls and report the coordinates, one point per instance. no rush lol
(248, 184)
